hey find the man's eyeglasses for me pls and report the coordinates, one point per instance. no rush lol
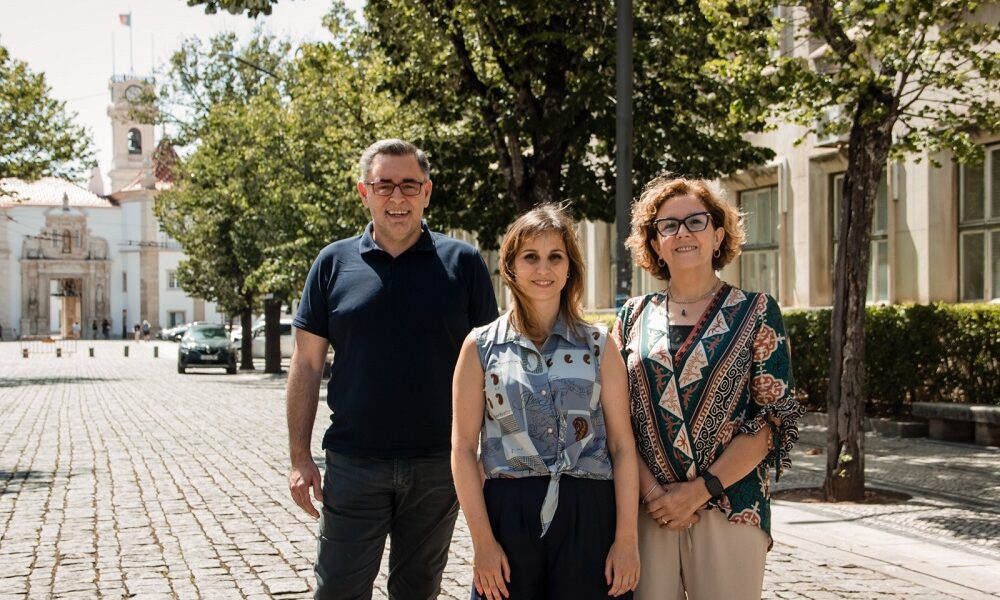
(694, 222)
(386, 188)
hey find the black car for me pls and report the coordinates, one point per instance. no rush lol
(206, 345)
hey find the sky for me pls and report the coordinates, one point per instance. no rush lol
(71, 42)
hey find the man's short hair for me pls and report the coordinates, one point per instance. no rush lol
(392, 147)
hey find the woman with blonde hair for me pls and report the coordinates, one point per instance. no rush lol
(711, 395)
(545, 402)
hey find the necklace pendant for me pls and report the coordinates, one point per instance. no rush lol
(684, 312)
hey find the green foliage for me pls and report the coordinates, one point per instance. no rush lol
(252, 8)
(518, 101)
(937, 352)
(900, 76)
(217, 208)
(926, 64)
(514, 101)
(37, 135)
(603, 318)
(268, 177)
(809, 338)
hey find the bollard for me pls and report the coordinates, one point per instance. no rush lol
(126, 350)
(156, 352)
(58, 352)
(91, 351)
(24, 353)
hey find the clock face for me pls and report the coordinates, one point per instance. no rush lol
(133, 93)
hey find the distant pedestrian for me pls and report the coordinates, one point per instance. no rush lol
(106, 329)
(76, 330)
(93, 329)
(137, 331)
(145, 330)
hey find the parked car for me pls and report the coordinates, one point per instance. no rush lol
(257, 338)
(287, 339)
(206, 345)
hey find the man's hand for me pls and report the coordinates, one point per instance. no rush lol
(302, 477)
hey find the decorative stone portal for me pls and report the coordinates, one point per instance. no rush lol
(65, 277)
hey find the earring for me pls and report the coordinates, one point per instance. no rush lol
(660, 261)
(717, 253)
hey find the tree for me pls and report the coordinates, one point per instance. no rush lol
(518, 100)
(909, 76)
(253, 8)
(270, 178)
(37, 134)
(514, 100)
(217, 102)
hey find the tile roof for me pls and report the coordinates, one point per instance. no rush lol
(48, 191)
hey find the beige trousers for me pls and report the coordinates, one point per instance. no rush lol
(713, 560)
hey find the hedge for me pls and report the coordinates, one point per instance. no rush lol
(913, 352)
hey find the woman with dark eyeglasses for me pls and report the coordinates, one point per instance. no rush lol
(711, 395)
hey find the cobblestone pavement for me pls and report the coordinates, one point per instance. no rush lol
(120, 478)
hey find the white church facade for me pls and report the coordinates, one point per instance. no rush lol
(72, 254)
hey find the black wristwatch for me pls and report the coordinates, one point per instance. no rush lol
(714, 485)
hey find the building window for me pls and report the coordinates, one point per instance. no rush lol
(979, 229)
(878, 266)
(134, 141)
(176, 317)
(67, 242)
(759, 260)
(172, 283)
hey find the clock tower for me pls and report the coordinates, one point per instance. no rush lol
(132, 139)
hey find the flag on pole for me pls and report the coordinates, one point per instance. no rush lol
(125, 19)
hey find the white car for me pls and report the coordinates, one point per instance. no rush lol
(257, 334)
(287, 339)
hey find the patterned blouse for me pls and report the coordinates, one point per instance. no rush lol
(543, 409)
(730, 374)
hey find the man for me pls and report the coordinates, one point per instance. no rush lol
(395, 303)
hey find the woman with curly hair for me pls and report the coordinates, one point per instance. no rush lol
(711, 395)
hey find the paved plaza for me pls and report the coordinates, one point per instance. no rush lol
(120, 478)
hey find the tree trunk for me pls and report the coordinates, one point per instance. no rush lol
(870, 140)
(272, 335)
(246, 342)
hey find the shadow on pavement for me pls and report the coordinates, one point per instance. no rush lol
(7, 382)
(261, 379)
(12, 482)
(973, 528)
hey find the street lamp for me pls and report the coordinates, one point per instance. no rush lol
(253, 66)
(623, 149)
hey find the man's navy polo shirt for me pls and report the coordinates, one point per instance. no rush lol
(396, 326)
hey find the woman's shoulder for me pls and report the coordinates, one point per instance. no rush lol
(636, 304)
(493, 332)
(590, 332)
(761, 304)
